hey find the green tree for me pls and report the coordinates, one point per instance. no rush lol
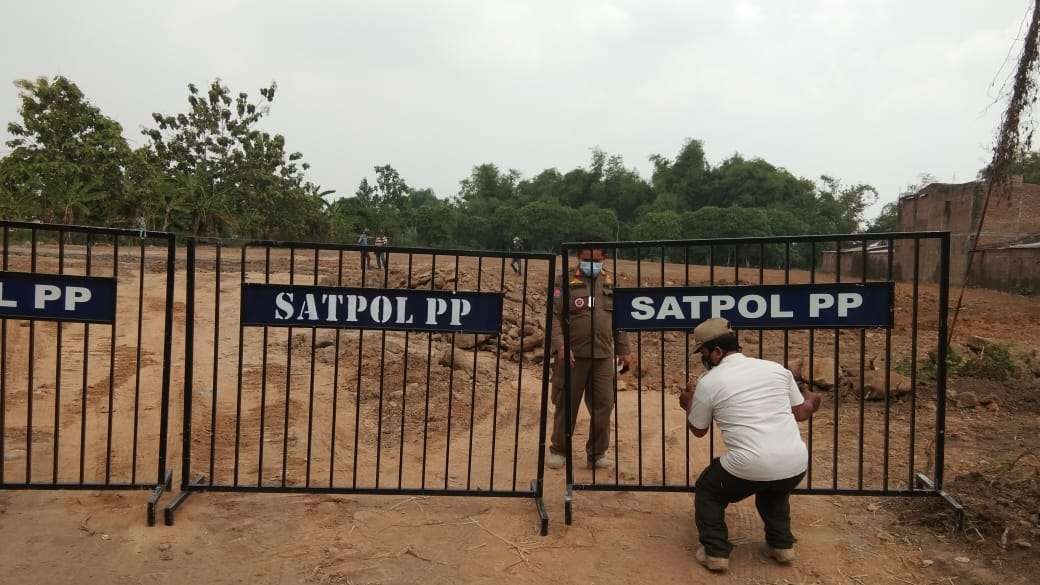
(234, 177)
(67, 158)
(887, 220)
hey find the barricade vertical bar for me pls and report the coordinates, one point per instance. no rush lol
(589, 388)
(664, 390)
(30, 387)
(520, 372)
(711, 425)
(3, 372)
(913, 364)
(111, 369)
(617, 445)
(429, 362)
(263, 380)
(862, 390)
(811, 370)
(216, 363)
(310, 394)
(941, 356)
(736, 279)
(162, 473)
(787, 280)
(137, 366)
(639, 376)
(57, 374)
(189, 352)
(382, 372)
(357, 395)
(451, 388)
(888, 379)
(335, 383)
(238, 390)
(686, 366)
(837, 386)
(404, 386)
(565, 302)
(543, 408)
(498, 369)
(473, 391)
(86, 363)
(288, 377)
(761, 281)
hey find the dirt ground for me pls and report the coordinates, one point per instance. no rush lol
(617, 537)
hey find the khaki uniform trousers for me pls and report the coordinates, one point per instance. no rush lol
(593, 380)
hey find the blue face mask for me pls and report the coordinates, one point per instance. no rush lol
(591, 269)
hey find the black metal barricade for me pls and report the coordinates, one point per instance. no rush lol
(86, 318)
(310, 370)
(881, 429)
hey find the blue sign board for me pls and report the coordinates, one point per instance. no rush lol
(792, 306)
(49, 297)
(282, 305)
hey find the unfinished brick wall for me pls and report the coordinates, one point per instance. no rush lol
(1013, 213)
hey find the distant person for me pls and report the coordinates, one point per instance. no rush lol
(596, 349)
(756, 405)
(516, 246)
(362, 241)
(381, 241)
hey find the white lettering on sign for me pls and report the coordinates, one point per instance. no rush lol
(643, 308)
(332, 302)
(355, 304)
(6, 303)
(775, 311)
(848, 301)
(309, 310)
(434, 309)
(818, 302)
(402, 303)
(721, 303)
(695, 303)
(44, 294)
(745, 310)
(459, 308)
(75, 295)
(670, 309)
(283, 306)
(382, 309)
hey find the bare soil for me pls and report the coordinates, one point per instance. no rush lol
(376, 387)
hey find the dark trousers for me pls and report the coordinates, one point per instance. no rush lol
(716, 488)
(592, 379)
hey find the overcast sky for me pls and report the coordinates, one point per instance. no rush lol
(872, 91)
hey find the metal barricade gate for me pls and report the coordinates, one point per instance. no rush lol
(86, 317)
(307, 370)
(875, 434)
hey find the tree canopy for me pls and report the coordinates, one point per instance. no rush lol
(211, 170)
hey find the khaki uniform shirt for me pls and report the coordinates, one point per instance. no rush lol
(591, 309)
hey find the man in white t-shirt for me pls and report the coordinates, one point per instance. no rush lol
(756, 405)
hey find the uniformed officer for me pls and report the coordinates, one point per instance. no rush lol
(596, 350)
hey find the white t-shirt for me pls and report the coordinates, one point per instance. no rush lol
(751, 402)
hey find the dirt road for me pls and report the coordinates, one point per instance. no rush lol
(624, 537)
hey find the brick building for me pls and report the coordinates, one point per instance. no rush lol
(1008, 250)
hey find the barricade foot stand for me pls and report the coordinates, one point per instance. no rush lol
(181, 497)
(157, 493)
(568, 498)
(543, 516)
(923, 482)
